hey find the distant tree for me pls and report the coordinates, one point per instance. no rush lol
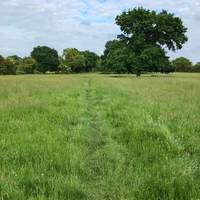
(63, 68)
(73, 59)
(91, 60)
(26, 66)
(3, 68)
(1, 60)
(182, 64)
(16, 60)
(46, 57)
(142, 28)
(10, 66)
(196, 67)
(118, 58)
(6, 66)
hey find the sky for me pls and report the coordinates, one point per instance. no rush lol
(83, 24)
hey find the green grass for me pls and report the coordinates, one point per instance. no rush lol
(96, 137)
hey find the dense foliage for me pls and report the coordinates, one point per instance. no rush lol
(154, 59)
(146, 33)
(91, 61)
(77, 61)
(7, 66)
(182, 65)
(46, 58)
(26, 66)
(196, 68)
(117, 58)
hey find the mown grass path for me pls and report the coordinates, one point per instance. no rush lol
(104, 155)
(95, 141)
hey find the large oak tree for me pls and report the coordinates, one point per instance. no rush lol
(142, 29)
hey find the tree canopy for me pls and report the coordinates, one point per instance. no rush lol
(154, 59)
(117, 57)
(26, 66)
(91, 60)
(182, 64)
(141, 27)
(73, 59)
(147, 34)
(7, 66)
(46, 58)
(196, 67)
(79, 61)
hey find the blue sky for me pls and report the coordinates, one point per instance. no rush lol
(83, 24)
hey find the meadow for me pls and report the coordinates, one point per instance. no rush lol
(96, 137)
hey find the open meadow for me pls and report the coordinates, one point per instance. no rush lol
(96, 137)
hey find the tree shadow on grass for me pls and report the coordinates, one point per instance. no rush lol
(160, 75)
(142, 76)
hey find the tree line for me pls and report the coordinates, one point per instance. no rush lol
(142, 47)
(183, 64)
(44, 59)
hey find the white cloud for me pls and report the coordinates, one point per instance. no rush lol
(84, 24)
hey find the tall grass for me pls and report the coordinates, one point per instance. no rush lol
(99, 137)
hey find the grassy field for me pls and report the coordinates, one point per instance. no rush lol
(96, 137)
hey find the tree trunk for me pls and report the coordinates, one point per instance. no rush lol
(138, 73)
